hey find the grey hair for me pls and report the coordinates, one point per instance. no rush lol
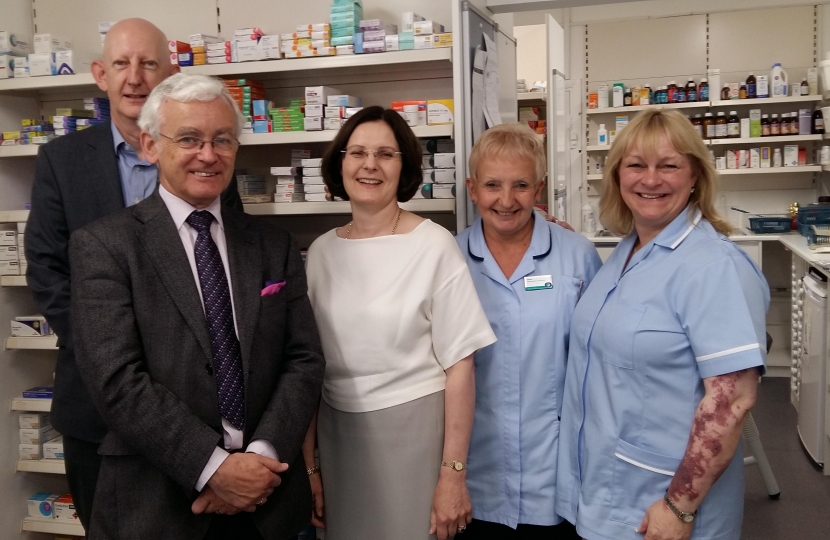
(184, 89)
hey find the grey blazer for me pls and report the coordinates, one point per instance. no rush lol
(76, 182)
(144, 354)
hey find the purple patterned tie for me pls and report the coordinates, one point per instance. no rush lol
(227, 356)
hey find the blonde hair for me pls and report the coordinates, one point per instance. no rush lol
(510, 141)
(645, 133)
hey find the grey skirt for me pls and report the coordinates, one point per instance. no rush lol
(380, 469)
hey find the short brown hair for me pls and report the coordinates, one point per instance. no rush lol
(411, 155)
(645, 132)
(510, 141)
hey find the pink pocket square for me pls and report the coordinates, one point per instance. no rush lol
(272, 287)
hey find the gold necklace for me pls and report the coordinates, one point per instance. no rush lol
(394, 228)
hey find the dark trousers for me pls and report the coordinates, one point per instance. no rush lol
(486, 530)
(236, 527)
(82, 465)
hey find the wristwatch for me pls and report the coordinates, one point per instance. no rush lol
(454, 465)
(685, 517)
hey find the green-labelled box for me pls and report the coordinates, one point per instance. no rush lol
(342, 40)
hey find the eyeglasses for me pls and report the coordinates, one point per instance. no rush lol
(221, 145)
(360, 154)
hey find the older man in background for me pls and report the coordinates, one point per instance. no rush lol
(80, 178)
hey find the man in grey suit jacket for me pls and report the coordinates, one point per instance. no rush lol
(80, 178)
(196, 340)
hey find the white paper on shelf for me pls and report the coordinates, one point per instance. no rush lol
(491, 84)
(478, 93)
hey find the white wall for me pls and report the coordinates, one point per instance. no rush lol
(530, 53)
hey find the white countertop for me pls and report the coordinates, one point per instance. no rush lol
(792, 241)
(747, 236)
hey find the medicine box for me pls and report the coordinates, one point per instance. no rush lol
(441, 40)
(6, 66)
(65, 509)
(314, 109)
(34, 326)
(439, 112)
(441, 161)
(316, 197)
(408, 20)
(443, 191)
(8, 238)
(342, 100)
(69, 62)
(300, 153)
(53, 449)
(427, 28)
(312, 162)
(49, 43)
(314, 123)
(791, 155)
(351, 111)
(319, 94)
(766, 157)
(392, 43)
(11, 43)
(755, 122)
(284, 171)
(334, 112)
(42, 64)
(441, 176)
(37, 436)
(754, 158)
(424, 192)
(9, 268)
(332, 124)
(745, 128)
(422, 42)
(41, 505)
(9, 253)
(315, 188)
(34, 420)
(288, 198)
(313, 180)
(312, 171)
(30, 451)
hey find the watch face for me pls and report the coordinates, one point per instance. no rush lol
(458, 466)
(688, 518)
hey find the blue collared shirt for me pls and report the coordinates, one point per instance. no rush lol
(520, 378)
(689, 305)
(138, 176)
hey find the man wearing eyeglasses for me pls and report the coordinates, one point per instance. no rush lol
(81, 177)
(196, 340)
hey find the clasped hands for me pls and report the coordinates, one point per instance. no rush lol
(241, 483)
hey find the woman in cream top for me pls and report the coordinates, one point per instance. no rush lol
(399, 320)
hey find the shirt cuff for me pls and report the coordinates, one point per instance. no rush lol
(263, 448)
(216, 459)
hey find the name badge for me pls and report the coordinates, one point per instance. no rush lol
(538, 283)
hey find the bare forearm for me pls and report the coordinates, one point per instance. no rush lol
(716, 432)
(459, 407)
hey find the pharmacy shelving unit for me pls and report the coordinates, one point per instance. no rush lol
(394, 62)
(52, 526)
(46, 466)
(12, 281)
(45, 343)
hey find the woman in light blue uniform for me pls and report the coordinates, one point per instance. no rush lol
(666, 348)
(529, 275)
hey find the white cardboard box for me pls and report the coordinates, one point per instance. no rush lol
(41, 505)
(37, 436)
(69, 62)
(8, 238)
(42, 65)
(53, 449)
(9, 268)
(49, 43)
(10, 253)
(13, 43)
(30, 451)
(34, 420)
(319, 94)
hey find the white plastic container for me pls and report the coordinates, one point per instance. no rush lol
(589, 222)
(778, 81)
(602, 134)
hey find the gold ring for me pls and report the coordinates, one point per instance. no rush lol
(261, 502)
(462, 528)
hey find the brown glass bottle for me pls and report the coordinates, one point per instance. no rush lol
(721, 126)
(733, 127)
(765, 125)
(774, 126)
(724, 93)
(697, 122)
(708, 126)
(751, 87)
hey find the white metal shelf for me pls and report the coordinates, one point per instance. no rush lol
(298, 137)
(248, 139)
(52, 526)
(12, 281)
(342, 207)
(14, 216)
(31, 404)
(531, 96)
(773, 170)
(19, 150)
(593, 177)
(288, 65)
(48, 466)
(37, 343)
(598, 148)
(638, 108)
(762, 141)
(764, 101)
(706, 104)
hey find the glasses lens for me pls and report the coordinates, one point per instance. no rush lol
(224, 146)
(188, 143)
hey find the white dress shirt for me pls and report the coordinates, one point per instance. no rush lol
(180, 211)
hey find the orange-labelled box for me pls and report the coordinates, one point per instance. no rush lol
(178, 46)
(65, 509)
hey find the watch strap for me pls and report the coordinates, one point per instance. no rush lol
(686, 517)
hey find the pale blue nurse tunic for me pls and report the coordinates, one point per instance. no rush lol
(690, 305)
(520, 378)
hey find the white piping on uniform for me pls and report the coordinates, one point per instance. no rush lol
(695, 221)
(742, 348)
(643, 465)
